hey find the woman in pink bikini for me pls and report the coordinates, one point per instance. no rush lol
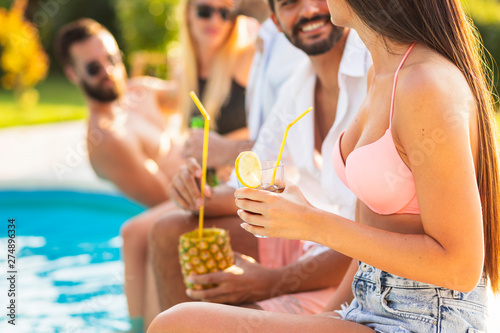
(421, 157)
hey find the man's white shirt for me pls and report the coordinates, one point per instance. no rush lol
(272, 65)
(313, 173)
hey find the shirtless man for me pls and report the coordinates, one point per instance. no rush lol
(134, 150)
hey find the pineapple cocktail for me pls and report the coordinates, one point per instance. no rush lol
(208, 254)
(203, 250)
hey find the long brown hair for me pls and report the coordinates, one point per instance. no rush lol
(442, 25)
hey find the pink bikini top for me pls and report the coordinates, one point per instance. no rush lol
(376, 174)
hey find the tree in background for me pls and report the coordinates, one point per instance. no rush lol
(148, 28)
(147, 25)
(23, 60)
(51, 15)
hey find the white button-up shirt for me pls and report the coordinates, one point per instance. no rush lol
(314, 174)
(273, 64)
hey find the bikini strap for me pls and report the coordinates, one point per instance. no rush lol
(396, 81)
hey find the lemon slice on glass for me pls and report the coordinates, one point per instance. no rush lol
(248, 169)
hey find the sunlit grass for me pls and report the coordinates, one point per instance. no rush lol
(59, 101)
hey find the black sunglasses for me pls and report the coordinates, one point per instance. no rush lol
(206, 12)
(93, 68)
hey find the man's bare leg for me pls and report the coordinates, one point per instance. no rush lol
(151, 301)
(164, 241)
(135, 236)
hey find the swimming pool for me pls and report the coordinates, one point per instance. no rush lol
(69, 272)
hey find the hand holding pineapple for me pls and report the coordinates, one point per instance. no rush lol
(245, 282)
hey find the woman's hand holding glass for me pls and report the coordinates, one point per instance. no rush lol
(283, 215)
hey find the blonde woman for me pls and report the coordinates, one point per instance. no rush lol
(217, 70)
(217, 50)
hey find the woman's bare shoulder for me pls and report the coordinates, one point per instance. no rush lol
(432, 96)
(432, 86)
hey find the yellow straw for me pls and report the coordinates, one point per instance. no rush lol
(204, 162)
(278, 161)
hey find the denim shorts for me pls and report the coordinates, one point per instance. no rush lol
(388, 304)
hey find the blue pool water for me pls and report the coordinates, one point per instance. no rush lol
(69, 272)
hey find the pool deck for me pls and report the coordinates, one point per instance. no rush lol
(48, 156)
(54, 156)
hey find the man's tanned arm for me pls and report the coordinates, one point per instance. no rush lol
(124, 164)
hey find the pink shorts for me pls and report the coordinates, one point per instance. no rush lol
(277, 252)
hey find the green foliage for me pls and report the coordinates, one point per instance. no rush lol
(490, 34)
(147, 25)
(485, 11)
(50, 15)
(6, 3)
(59, 101)
(486, 16)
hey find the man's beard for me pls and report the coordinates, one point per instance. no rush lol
(321, 46)
(101, 94)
